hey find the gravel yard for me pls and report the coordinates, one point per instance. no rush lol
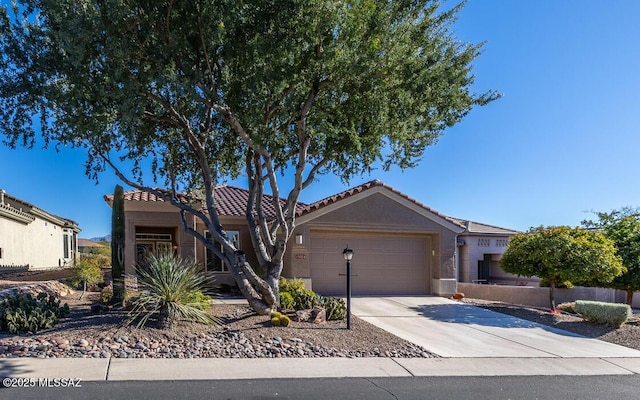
(242, 334)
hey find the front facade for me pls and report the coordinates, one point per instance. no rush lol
(400, 246)
(33, 238)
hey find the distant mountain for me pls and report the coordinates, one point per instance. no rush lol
(101, 239)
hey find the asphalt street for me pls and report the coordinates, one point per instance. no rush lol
(459, 388)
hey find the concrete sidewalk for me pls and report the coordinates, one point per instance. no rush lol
(116, 369)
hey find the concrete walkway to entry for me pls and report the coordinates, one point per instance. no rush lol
(453, 329)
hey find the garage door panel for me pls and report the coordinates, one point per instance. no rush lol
(381, 265)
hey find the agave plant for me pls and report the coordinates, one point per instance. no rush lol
(170, 289)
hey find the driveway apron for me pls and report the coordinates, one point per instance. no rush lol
(453, 329)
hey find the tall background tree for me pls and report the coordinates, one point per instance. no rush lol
(623, 227)
(204, 90)
(562, 256)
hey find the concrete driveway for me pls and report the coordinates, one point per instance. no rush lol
(453, 329)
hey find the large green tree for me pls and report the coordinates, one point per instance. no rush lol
(623, 227)
(562, 255)
(209, 89)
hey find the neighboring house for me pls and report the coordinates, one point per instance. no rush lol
(400, 245)
(31, 237)
(89, 246)
(480, 248)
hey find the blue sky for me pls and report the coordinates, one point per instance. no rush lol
(561, 142)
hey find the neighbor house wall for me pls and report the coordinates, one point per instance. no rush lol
(474, 248)
(28, 237)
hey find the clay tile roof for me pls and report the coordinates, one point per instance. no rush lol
(366, 186)
(231, 201)
(139, 195)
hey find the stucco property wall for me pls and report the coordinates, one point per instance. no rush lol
(537, 296)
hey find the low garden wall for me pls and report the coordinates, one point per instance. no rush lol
(539, 297)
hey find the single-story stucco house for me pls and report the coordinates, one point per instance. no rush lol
(31, 238)
(400, 245)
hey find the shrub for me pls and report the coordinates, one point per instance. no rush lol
(200, 300)
(291, 285)
(167, 289)
(302, 298)
(87, 272)
(569, 307)
(286, 300)
(24, 313)
(334, 307)
(603, 313)
(106, 295)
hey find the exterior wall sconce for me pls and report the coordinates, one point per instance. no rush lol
(299, 238)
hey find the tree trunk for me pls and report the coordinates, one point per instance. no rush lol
(629, 297)
(552, 299)
(164, 319)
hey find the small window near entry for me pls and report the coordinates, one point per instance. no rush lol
(0, 252)
(213, 262)
(65, 244)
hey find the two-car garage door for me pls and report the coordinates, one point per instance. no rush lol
(382, 264)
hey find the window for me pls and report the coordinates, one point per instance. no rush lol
(213, 262)
(0, 252)
(65, 244)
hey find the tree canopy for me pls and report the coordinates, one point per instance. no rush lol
(205, 90)
(562, 255)
(623, 227)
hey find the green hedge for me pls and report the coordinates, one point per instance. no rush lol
(603, 313)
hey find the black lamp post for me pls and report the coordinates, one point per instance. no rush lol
(348, 255)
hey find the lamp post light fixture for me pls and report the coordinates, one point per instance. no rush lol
(348, 255)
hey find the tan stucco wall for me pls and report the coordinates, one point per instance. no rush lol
(474, 249)
(377, 213)
(537, 296)
(160, 216)
(38, 244)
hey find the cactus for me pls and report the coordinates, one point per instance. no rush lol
(334, 307)
(24, 313)
(285, 321)
(278, 319)
(117, 243)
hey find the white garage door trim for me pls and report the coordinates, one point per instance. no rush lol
(383, 263)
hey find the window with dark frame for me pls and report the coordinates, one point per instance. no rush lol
(65, 243)
(214, 263)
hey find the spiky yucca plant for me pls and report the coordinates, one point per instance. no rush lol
(168, 289)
